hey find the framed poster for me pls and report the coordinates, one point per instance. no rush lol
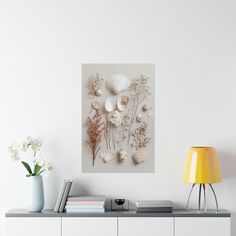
(118, 108)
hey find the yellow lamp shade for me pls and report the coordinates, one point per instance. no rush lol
(202, 166)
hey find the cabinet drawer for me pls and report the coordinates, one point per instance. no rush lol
(146, 226)
(203, 226)
(33, 226)
(89, 226)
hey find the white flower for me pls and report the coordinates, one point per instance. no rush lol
(24, 146)
(47, 169)
(36, 144)
(115, 118)
(14, 149)
(15, 156)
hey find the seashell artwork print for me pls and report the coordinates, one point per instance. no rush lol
(118, 118)
(117, 83)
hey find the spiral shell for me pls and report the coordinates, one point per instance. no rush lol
(139, 117)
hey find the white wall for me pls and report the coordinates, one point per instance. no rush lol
(42, 46)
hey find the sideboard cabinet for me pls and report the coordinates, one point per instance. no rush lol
(178, 223)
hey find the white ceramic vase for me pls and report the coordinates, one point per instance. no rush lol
(36, 194)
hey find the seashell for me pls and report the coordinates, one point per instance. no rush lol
(117, 83)
(110, 104)
(122, 155)
(98, 93)
(122, 103)
(139, 157)
(96, 105)
(146, 107)
(149, 114)
(139, 117)
(106, 156)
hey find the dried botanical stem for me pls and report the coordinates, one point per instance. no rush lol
(140, 90)
(113, 139)
(95, 130)
(107, 134)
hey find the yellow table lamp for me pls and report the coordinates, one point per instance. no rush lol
(202, 167)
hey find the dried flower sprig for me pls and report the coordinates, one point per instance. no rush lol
(95, 131)
(140, 138)
(140, 90)
(125, 127)
(94, 84)
(110, 133)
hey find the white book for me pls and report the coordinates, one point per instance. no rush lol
(65, 196)
(86, 198)
(60, 196)
(155, 204)
(85, 210)
(84, 207)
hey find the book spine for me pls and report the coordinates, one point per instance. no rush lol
(85, 203)
(84, 207)
(65, 195)
(60, 196)
(85, 210)
(88, 198)
(153, 210)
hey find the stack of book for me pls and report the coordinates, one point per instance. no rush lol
(154, 206)
(62, 196)
(85, 204)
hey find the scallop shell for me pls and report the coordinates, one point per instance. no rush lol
(117, 83)
(139, 117)
(122, 103)
(110, 104)
(139, 157)
(106, 156)
(122, 155)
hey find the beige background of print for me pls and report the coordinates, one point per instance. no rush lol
(131, 71)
